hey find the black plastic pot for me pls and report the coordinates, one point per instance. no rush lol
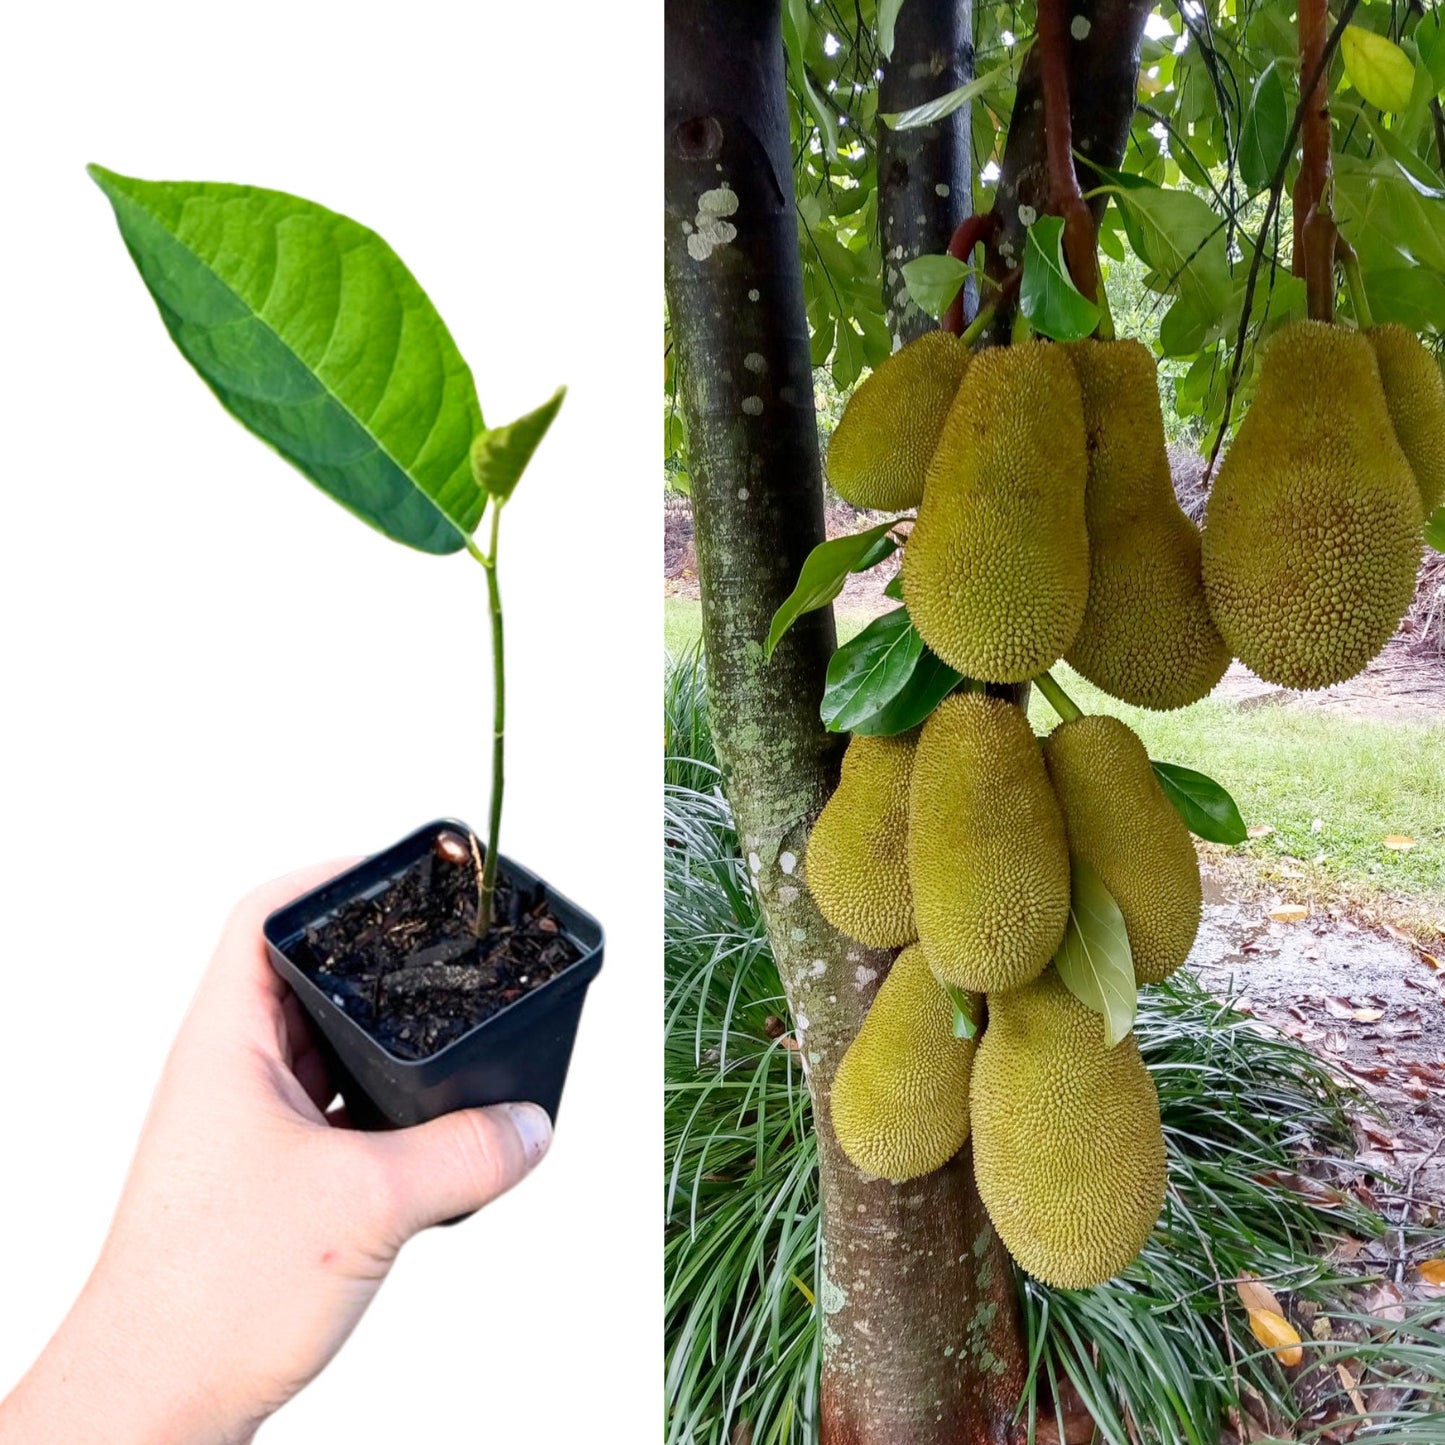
(520, 1053)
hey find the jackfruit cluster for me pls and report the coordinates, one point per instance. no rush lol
(1314, 527)
(996, 570)
(899, 1102)
(880, 450)
(1067, 1143)
(856, 863)
(1068, 1150)
(1146, 636)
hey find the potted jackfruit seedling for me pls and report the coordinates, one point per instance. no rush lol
(437, 974)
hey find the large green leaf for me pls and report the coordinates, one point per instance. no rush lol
(1095, 961)
(1381, 200)
(1266, 127)
(823, 573)
(315, 336)
(868, 672)
(1377, 68)
(933, 282)
(1054, 306)
(930, 681)
(1208, 811)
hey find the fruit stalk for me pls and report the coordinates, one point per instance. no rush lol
(1057, 698)
(1064, 192)
(1315, 232)
(966, 236)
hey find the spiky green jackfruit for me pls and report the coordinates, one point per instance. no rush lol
(1067, 1146)
(996, 571)
(1415, 395)
(1147, 636)
(1119, 821)
(856, 864)
(986, 847)
(1313, 533)
(900, 1096)
(879, 452)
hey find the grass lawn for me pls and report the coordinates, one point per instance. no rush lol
(1331, 787)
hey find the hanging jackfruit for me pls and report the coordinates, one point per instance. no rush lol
(986, 848)
(856, 865)
(900, 1097)
(880, 450)
(1313, 532)
(996, 571)
(1415, 395)
(1119, 821)
(1067, 1146)
(1147, 636)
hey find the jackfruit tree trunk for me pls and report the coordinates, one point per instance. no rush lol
(918, 1311)
(925, 175)
(1103, 74)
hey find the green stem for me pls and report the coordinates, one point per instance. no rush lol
(488, 559)
(1022, 330)
(1057, 698)
(1355, 281)
(978, 325)
(1106, 317)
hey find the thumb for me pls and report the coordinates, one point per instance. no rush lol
(454, 1164)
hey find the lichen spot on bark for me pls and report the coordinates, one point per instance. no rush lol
(1079, 27)
(711, 226)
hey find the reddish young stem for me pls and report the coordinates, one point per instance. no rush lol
(967, 234)
(1064, 193)
(1314, 226)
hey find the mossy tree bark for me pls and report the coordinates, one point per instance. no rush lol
(918, 1309)
(925, 175)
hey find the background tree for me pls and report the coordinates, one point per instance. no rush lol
(782, 176)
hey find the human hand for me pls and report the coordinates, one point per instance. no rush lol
(253, 1230)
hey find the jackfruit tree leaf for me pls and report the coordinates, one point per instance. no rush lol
(1377, 67)
(1048, 297)
(1095, 961)
(1180, 238)
(795, 29)
(824, 572)
(887, 22)
(1266, 127)
(868, 672)
(945, 105)
(933, 282)
(313, 334)
(1435, 529)
(965, 1025)
(1208, 811)
(1380, 200)
(931, 680)
(848, 354)
(500, 456)
(894, 589)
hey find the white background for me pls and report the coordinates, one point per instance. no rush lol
(212, 674)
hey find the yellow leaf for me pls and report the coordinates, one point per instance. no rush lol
(1433, 1271)
(1259, 830)
(1276, 1333)
(1398, 842)
(1289, 913)
(1382, 72)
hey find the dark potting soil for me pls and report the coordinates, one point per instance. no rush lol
(407, 966)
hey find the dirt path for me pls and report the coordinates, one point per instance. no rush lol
(1371, 1005)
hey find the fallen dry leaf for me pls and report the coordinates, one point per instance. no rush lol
(1433, 1271)
(1259, 830)
(1398, 842)
(1434, 960)
(1347, 1248)
(1276, 1333)
(1352, 1389)
(1289, 913)
(1254, 1294)
(1322, 1329)
(1385, 1302)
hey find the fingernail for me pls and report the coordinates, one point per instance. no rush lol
(533, 1127)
